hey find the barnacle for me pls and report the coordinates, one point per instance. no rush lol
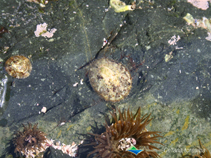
(127, 130)
(29, 142)
(18, 66)
(111, 80)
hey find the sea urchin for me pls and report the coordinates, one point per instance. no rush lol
(30, 142)
(127, 130)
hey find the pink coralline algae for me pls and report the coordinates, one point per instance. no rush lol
(41, 30)
(201, 4)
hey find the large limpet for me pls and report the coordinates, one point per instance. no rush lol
(18, 66)
(111, 80)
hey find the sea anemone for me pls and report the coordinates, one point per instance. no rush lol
(127, 130)
(30, 142)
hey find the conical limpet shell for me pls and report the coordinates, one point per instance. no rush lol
(111, 80)
(18, 66)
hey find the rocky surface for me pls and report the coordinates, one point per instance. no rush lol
(176, 92)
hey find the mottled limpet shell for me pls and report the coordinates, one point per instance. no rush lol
(18, 66)
(111, 80)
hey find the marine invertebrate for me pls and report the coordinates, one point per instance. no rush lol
(127, 130)
(204, 153)
(18, 66)
(29, 142)
(111, 80)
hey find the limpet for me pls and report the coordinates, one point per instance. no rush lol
(111, 80)
(18, 66)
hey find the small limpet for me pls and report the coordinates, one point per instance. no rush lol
(111, 80)
(18, 66)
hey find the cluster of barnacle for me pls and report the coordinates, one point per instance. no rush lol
(29, 142)
(127, 130)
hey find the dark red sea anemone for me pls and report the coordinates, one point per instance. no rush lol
(127, 130)
(30, 141)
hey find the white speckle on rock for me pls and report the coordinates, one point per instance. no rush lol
(81, 81)
(75, 84)
(44, 109)
(198, 51)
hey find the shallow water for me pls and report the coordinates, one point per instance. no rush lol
(168, 59)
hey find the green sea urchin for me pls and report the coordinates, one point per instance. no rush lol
(127, 130)
(111, 80)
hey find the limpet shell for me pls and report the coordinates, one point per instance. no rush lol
(111, 80)
(18, 66)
